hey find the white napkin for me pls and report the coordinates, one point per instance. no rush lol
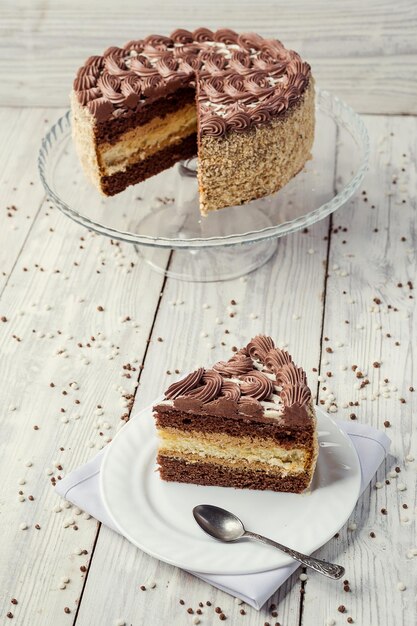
(82, 488)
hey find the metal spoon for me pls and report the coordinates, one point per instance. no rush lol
(225, 526)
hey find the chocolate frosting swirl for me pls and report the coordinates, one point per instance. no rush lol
(230, 390)
(250, 41)
(184, 385)
(240, 61)
(234, 367)
(211, 384)
(84, 81)
(256, 385)
(167, 65)
(260, 114)
(182, 36)
(86, 95)
(213, 89)
(131, 84)
(239, 121)
(189, 63)
(291, 375)
(225, 35)
(235, 87)
(245, 79)
(277, 105)
(259, 346)
(258, 84)
(300, 395)
(215, 126)
(142, 67)
(153, 85)
(114, 66)
(110, 88)
(186, 50)
(213, 63)
(276, 358)
(158, 41)
(91, 72)
(203, 34)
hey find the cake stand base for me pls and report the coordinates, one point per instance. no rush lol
(209, 265)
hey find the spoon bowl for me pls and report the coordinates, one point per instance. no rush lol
(218, 522)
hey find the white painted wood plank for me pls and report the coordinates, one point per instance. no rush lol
(80, 313)
(366, 263)
(366, 52)
(284, 299)
(21, 190)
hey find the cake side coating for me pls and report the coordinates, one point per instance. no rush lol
(236, 168)
(82, 128)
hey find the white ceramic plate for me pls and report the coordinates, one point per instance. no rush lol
(157, 516)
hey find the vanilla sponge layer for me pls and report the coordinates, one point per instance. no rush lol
(243, 452)
(142, 142)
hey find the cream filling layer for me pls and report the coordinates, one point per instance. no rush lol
(143, 141)
(233, 451)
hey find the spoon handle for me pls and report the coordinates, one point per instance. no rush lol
(328, 569)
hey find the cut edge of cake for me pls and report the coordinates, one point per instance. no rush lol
(248, 422)
(113, 168)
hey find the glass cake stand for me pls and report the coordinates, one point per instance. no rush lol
(161, 215)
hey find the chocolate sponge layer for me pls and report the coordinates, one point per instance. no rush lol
(146, 168)
(180, 471)
(287, 435)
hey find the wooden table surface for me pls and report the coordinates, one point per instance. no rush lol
(76, 307)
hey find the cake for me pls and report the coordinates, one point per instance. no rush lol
(242, 103)
(248, 422)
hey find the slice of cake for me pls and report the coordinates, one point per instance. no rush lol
(243, 103)
(248, 422)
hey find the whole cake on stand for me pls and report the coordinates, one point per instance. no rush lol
(242, 103)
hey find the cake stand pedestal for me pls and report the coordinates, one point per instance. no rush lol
(185, 222)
